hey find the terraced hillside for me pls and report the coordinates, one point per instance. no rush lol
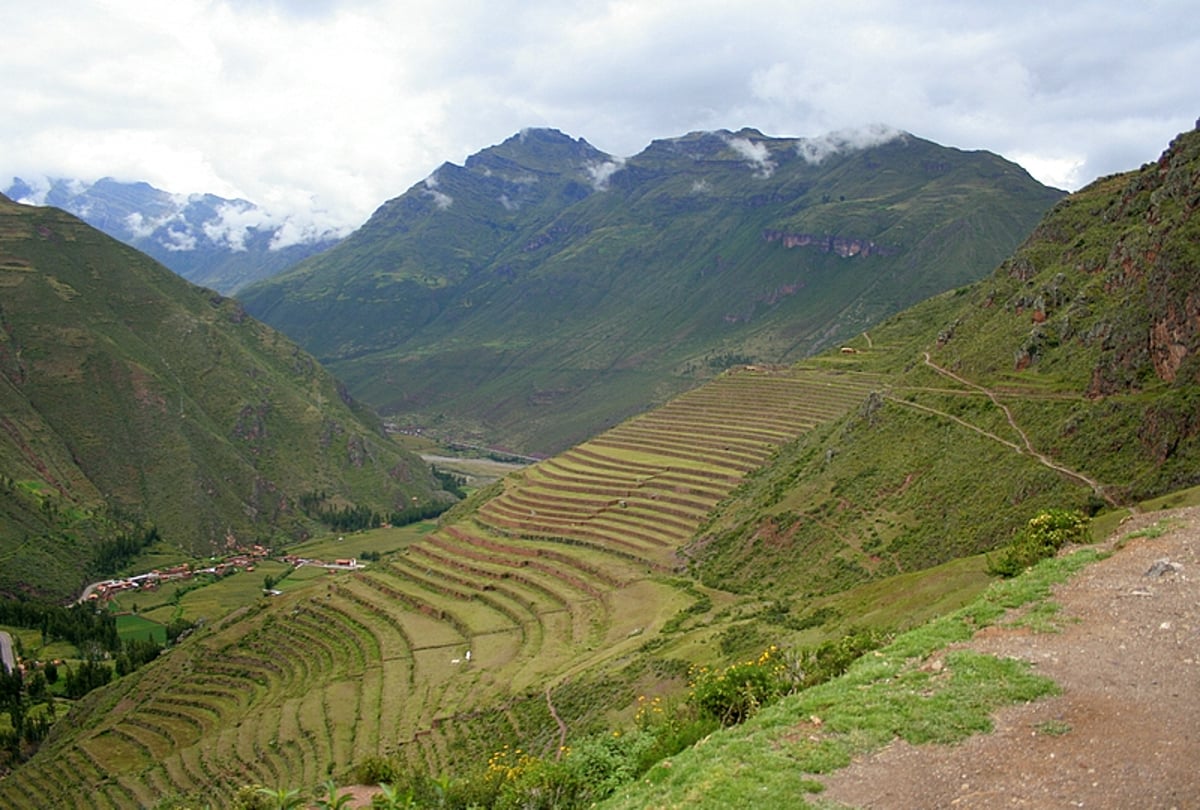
(498, 626)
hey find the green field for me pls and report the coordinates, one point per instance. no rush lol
(131, 626)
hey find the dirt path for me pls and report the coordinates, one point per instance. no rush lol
(1124, 733)
(562, 727)
(1096, 486)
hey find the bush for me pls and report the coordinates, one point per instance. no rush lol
(373, 770)
(1042, 537)
(830, 659)
(735, 693)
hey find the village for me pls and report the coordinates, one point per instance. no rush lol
(242, 560)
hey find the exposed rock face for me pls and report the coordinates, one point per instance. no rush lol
(841, 245)
(1171, 336)
(1156, 261)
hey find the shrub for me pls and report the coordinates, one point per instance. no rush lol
(1042, 537)
(829, 659)
(374, 770)
(735, 693)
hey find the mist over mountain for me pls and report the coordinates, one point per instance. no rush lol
(544, 289)
(215, 242)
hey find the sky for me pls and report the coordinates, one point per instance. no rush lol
(321, 110)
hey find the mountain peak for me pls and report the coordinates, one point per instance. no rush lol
(539, 149)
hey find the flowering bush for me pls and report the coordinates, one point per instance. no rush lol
(735, 693)
(1042, 537)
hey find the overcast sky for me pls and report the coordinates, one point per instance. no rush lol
(323, 109)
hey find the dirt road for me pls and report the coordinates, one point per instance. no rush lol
(1124, 733)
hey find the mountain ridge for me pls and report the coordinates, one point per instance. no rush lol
(564, 582)
(220, 243)
(545, 290)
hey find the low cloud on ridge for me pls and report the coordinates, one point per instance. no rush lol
(440, 198)
(815, 150)
(756, 154)
(601, 173)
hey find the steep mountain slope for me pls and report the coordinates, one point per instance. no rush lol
(545, 290)
(564, 583)
(209, 240)
(1070, 378)
(129, 397)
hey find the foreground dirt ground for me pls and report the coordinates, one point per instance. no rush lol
(1124, 733)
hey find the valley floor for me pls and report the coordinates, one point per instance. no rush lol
(1125, 732)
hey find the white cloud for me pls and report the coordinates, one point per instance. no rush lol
(141, 227)
(1059, 171)
(815, 150)
(440, 198)
(176, 240)
(320, 111)
(755, 153)
(294, 232)
(601, 173)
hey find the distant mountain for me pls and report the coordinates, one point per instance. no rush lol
(211, 241)
(545, 289)
(131, 399)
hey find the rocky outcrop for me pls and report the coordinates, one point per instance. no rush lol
(841, 245)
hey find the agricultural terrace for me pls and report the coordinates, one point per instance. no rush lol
(438, 652)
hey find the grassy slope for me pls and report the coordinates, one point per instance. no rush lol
(774, 760)
(1073, 335)
(130, 395)
(558, 583)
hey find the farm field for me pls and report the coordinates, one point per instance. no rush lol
(459, 638)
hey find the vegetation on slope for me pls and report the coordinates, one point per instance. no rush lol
(545, 291)
(568, 586)
(133, 401)
(547, 602)
(1066, 379)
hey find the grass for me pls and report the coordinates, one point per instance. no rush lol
(132, 626)
(378, 541)
(1053, 728)
(771, 761)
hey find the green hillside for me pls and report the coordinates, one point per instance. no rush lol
(130, 399)
(1069, 377)
(553, 596)
(778, 519)
(544, 290)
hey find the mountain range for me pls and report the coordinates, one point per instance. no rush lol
(545, 290)
(218, 243)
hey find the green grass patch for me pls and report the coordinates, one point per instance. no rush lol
(133, 626)
(1053, 728)
(1175, 500)
(906, 690)
(377, 541)
(302, 577)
